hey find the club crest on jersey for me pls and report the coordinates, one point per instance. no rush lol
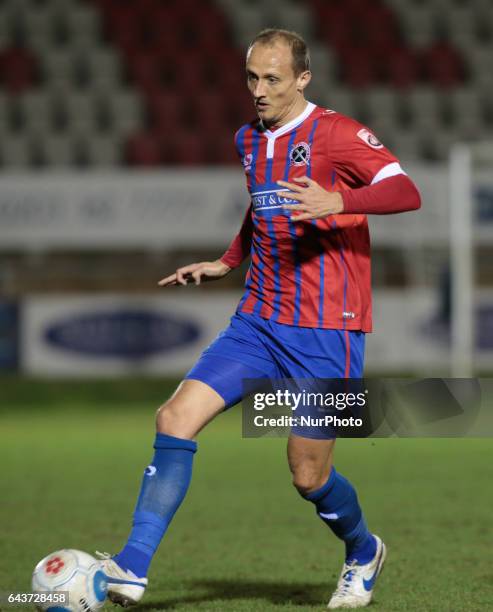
(300, 154)
(368, 138)
(247, 162)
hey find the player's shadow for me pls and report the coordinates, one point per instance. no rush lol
(294, 593)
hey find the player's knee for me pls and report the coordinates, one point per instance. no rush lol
(308, 479)
(168, 419)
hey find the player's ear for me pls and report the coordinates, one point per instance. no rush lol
(303, 79)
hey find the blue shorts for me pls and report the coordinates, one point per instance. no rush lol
(254, 347)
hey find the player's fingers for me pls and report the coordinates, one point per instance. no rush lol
(188, 269)
(288, 196)
(302, 216)
(291, 186)
(183, 274)
(168, 280)
(197, 276)
(294, 207)
(305, 179)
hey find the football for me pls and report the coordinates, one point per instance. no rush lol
(73, 573)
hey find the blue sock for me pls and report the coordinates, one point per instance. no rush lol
(164, 486)
(337, 505)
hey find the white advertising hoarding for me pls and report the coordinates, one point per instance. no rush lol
(124, 335)
(89, 335)
(176, 208)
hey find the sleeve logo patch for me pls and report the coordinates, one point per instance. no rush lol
(247, 162)
(368, 138)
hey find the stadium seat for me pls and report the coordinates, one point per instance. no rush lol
(143, 149)
(100, 150)
(403, 68)
(211, 110)
(360, 68)
(165, 108)
(145, 70)
(342, 100)
(16, 151)
(420, 25)
(407, 144)
(5, 111)
(381, 102)
(425, 100)
(18, 70)
(465, 101)
(58, 150)
(36, 110)
(185, 148)
(436, 146)
(108, 66)
(220, 148)
(443, 65)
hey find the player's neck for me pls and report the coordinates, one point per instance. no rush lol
(296, 110)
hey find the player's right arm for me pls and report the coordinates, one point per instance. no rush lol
(237, 251)
(196, 273)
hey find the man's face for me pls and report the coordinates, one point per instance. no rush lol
(276, 90)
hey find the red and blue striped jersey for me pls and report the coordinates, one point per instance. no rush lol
(313, 273)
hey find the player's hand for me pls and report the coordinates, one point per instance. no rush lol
(314, 202)
(195, 273)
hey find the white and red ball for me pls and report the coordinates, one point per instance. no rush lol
(74, 572)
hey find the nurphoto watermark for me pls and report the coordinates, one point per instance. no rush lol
(359, 408)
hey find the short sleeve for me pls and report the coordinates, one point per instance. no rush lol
(356, 153)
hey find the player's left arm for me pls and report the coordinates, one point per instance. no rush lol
(384, 188)
(394, 194)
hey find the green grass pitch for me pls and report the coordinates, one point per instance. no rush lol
(72, 456)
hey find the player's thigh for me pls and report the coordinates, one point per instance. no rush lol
(237, 354)
(189, 409)
(310, 461)
(317, 363)
(215, 382)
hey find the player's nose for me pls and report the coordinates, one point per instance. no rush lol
(259, 91)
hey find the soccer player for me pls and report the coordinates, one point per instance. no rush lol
(313, 175)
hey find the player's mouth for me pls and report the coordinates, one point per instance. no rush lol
(261, 105)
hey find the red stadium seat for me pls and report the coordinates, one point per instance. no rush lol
(191, 73)
(335, 26)
(143, 149)
(402, 68)
(220, 148)
(359, 67)
(179, 54)
(145, 69)
(165, 109)
(18, 69)
(184, 147)
(443, 65)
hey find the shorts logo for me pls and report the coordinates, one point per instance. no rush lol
(247, 162)
(300, 154)
(368, 138)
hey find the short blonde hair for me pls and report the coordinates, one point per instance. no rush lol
(299, 49)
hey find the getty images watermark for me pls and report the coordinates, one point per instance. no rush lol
(308, 403)
(376, 407)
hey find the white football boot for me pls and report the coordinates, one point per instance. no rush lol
(355, 586)
(124, 587)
